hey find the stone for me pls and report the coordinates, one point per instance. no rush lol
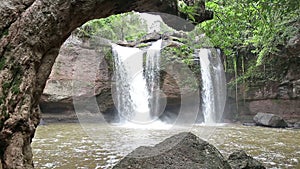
(76, 77)
(151, 37)
(293, 45)
(290, 125)
(296, 125)
(296, 89)
(181, 151)
(269, 120)
(240, 160)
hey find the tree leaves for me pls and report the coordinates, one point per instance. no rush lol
(259, 25)
(127, 26)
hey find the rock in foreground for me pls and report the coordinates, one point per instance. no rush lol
(240, 160)
(269, 120)
(181, 151)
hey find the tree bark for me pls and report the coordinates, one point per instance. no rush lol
(31, 33)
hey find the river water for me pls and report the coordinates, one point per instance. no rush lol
(73, 145)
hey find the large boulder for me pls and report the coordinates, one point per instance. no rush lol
(80, 74)
(240, 160)
(269, 120)
(181, 151)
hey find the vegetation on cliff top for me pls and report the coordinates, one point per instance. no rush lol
(124, 27)
(251, 33)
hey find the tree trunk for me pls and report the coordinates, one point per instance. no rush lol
(31, 33)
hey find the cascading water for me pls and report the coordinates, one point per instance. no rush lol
(213, 85)
(123, 73)
(134, 95)
(152, 77)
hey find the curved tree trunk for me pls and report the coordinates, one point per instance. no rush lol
(31, 33)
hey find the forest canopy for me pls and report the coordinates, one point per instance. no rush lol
(251, 27)
(249, 32)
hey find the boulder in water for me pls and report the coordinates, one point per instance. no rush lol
(181, 151)
(269, 120)
(240, 160)
(296, 125)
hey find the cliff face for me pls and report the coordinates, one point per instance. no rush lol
(281, 97)
(79, 75)
(82, 62)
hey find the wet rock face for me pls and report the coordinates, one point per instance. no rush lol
(79, 74)
(269, 120)
(294, 45)
(280, 97)
(181, 151)
(240, 160)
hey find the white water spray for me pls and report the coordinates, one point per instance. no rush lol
(134, 96)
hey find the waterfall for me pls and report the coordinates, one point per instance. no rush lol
(152, 77)
(134, 94)
(213, 85)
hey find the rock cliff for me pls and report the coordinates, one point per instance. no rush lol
(77, 62)
(280, 96)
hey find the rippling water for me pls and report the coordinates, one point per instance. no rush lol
(102, 146)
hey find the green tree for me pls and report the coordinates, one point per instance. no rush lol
(125, 27)
(257, 26)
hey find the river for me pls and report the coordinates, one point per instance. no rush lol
(90, 146)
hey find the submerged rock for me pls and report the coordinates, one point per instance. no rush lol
(184, 151)
(240, 160)
(269, 120)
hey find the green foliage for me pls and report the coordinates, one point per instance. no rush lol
(182, 54)
(2, 62)
(142, 45)
(2, 99)
(190, 11)
(6, 86)
(108, 56)
(4, 32)
(127, 26)
(3, 116)
(257, 26)
(183, 59)
(16, 86)
(274, 71)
